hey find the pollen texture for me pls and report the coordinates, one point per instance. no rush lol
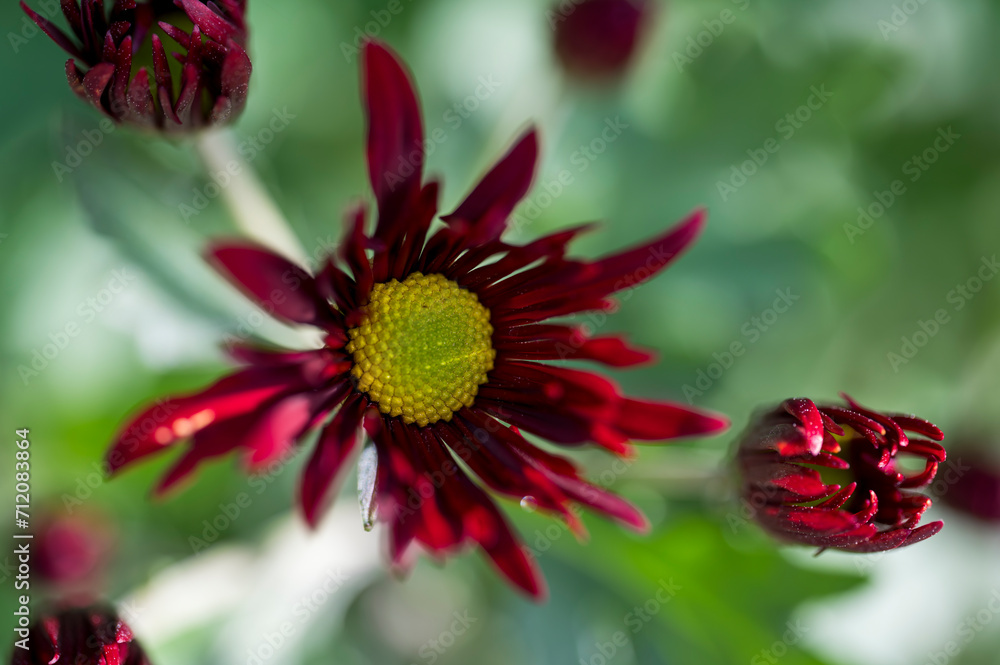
(423, 348)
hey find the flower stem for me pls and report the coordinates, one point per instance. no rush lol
(250, 206)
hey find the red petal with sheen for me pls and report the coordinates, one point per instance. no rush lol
(395, 135)
(483, 214)
(279, 286)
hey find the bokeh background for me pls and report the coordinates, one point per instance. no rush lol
(203, 582)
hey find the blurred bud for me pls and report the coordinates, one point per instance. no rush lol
(830, 476)
(974, 486)
(71, 553)
(597, 39)
(204, 83)
(94, 636)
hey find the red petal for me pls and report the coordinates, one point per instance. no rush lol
(210, 23)
(923, 533)
(164, 80)
(506, 552)
(280, 426)
(541, 342)
(578, 287)
(395, 133)
(812, 422)
(353, 251)
(821, 521)
(632, 267)
(279, 286)
(178, 418)
(338, 440)
(651, 421)
(54, 33)
(484, 211)
(918, 425)
(235, 78)
(96, 81)
(140, 98)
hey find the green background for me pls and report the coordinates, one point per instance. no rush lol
(691, 115)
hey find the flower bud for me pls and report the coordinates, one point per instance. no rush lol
(830, 476)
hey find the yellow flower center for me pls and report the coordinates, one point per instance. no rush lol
(423, 348)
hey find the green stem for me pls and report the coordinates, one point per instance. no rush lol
(250, 206)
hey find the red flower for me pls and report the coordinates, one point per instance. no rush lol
(598, 38)
(93, 636)
(871, 511)
(433, 346)
(214, 67)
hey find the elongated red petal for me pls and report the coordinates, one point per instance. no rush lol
(279, 286)
(210, 23)
(164, 423)
(540, 342)
(484, 212)
(495, 537)
(395, 134)
(54, 33)
(277, 429)
(635, 266)
(654, 421)
(235, 78)
(335, 445)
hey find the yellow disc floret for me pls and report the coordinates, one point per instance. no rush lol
(423, 348)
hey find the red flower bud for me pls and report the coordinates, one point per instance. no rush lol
(207, 87)
(829, 476)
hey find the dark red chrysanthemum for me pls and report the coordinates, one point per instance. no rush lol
(207, 85)
(94, 636)
(972, 485)
(435, 342)
(598, 38)
(786, 453)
